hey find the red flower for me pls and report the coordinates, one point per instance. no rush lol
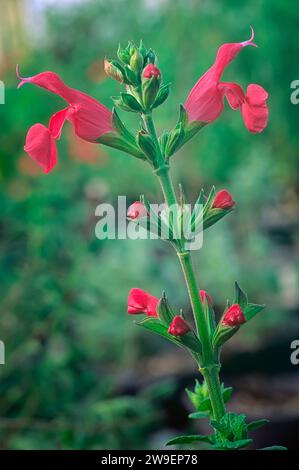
(137, 210)
(140, 301)
(205, 101)
(178, 326)
(204, 296)
(234, 316)
(89, 118)
(223, 200)
(151, 71)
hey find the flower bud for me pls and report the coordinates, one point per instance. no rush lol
(151, 80)
(234, 316)
(204, 296)
(151, 71)
(223, 200)
(137, 210)
(140, 301)
(113, 70)
(178, 326)
(136, 61)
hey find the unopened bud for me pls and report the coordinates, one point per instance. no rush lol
(113, 70)
(223, 200)
(178, 326)
(137, 210)
(234, 316)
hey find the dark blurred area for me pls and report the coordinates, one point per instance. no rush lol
(78, 373)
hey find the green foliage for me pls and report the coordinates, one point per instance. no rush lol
(61, 289)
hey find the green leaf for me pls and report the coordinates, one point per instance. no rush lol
(147, 145)
(227, 393)
(162, 95)
(163, 139)
(165, 312)
(252, 309)
(231, 445)
(209, 200)
(190, 439)
(257, 424)
(240, 297)
(198, 415)
(274, 448)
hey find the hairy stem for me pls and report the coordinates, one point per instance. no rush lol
(209, 366)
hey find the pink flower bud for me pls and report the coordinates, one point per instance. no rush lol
(223, 200)
(140, 301)
(204, 296)
(178, 326)
(234, 316)
(151, 71)
(137, 210)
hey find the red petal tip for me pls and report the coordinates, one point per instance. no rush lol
(249, 41)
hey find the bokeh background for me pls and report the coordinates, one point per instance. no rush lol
(79, 374)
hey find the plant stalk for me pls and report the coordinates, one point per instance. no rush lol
(208, 365)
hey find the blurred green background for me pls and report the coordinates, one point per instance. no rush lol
(78, 373)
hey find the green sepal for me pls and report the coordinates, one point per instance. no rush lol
(121, 128)
(175, 139)
(162, 95)
(123, 55)
(136, 61)
(190, 129)
(163, 139)
(150, 89)
(151, 57)
(156, 224)
(190, 439)
(113, 140)
(130, 102)
(222, 334)
(164, 310)
(188, 340)
(147, 145)
(240, 297)
(212, 215)
(131, 76)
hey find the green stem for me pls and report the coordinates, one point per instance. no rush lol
(209, 366)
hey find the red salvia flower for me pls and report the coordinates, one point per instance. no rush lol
(234, 316)
(204, 296)
(223, 200)
(205, 101)
(178, 326)
(137, 210)
(140, 301)
(151, 71)
(89, 118)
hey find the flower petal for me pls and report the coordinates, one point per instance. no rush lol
(254, 110)
(41, 147)
(91, 119)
